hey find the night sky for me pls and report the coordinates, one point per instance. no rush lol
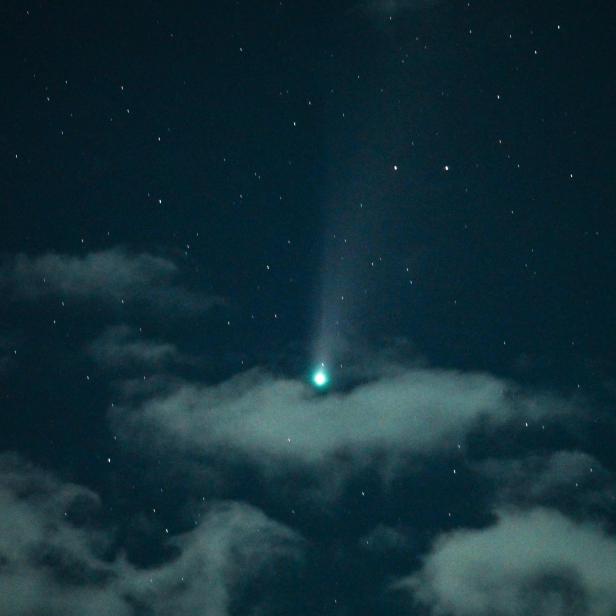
(308, 308)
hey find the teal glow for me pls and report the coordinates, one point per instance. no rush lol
(320, 377)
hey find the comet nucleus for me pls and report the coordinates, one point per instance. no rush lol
(320, 378)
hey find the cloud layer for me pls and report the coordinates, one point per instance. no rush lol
(381, 420)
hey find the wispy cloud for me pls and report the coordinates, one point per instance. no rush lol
(121, 346)
(572, 480)
(112, 276)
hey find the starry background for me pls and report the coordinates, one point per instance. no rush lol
(203, 201)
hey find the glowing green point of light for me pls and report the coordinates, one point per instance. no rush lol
(320, 378)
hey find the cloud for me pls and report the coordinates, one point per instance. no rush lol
(573, 480)
(233, 544)
(279, 423)
(121, 345)
(535, 562)
(55, 560)
(48, 565)
(112, 276)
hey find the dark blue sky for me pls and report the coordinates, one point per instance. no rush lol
(202, 202)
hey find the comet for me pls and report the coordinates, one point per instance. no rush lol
(320, 377)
